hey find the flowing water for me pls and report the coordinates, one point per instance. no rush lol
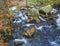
(45, 36)
(58, 20)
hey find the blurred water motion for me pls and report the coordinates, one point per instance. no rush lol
(21, 40)
(58, 21)
(46, 35)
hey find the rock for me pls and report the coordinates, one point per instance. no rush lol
(30, 32)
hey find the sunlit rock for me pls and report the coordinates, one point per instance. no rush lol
(29, 32)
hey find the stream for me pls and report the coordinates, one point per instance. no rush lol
(46, 35)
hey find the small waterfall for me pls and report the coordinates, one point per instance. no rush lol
(58, 21)
(42, 18)
(20, 17)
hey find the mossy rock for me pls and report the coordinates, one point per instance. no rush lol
(33, 12)
(47, 8)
